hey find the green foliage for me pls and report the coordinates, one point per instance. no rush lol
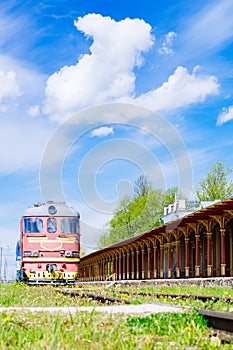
(169, 196)
(216, 184)
(142, 186)
(137, 215)
(142, 213)
(82, 252)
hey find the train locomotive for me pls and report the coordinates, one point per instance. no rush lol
(49, 247)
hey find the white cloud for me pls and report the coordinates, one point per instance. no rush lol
(34, 111)
(209, 28)
(225, 116)
(22, 139)
(9, 88)
(167, 44)
(21, 89)
(102, 131)
(104, 75)
(22, 143)
(107, 73)
(181, 89)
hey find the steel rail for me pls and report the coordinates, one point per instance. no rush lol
(218, 320)
(177, 295)
(221, 322)
(101, 298)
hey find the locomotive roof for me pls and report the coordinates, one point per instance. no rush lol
(51, 208)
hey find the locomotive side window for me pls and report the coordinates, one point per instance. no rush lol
(69, 225)
(51, 225)
(33, 225)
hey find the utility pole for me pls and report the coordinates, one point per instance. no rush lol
(1, 264)
(5, 270)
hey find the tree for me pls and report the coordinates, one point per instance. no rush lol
(142, 186)
(216, 185)
(137, 215)
(170, 196)
(82, 252)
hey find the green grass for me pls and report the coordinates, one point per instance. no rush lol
(92, 330)
(23, 295)
(97, 331)
(20, 294)
(133, 295)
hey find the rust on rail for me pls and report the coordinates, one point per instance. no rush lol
(98, 297)
(218, 320)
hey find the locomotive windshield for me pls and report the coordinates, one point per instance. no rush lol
(33, 225)
(51, 225)
(69, 225)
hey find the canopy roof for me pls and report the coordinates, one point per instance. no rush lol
(221, 208)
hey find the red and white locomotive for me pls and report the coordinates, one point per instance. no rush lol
(49, 244)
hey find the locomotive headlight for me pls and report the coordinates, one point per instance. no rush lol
(27, 253)
(68, 254)
(75, 254)
(52, 210)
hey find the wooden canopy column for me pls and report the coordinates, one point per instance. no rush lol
(132, 263)
(113, 268)
(177, 258)
(92, 271)
(187, 267)
(89, 272)
(117, 266)
(143, 262)
(100, 269)
(128, 265)
(209, 254)
(104, 268)
(161, 260)
(120, 266)
(148, 261)
(222, 220)
(223, 252)
(197, 258)
(109, 266)
(169, 260)
(123, 265)
(137, 263)
(155, 259)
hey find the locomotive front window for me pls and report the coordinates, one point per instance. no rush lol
(51, 225)
(69, 225)
(33, 225)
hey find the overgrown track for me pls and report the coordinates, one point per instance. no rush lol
(201, 297)
(83, 294)
(222, 323)
(218, 320)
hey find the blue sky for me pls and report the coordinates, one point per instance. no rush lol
(63, 66)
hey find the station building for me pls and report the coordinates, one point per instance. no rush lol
(195, 240)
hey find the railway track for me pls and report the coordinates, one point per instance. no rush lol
(94, 296)
(201, 297)
(220, 322)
